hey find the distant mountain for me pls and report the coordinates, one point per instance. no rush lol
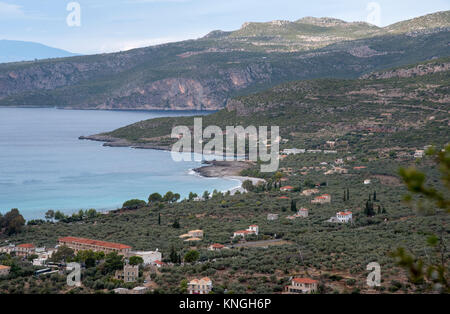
(16, 51)
(205, 73)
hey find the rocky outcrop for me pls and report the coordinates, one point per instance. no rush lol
(419, 70)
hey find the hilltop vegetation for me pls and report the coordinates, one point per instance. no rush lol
(390, 111)
(205, 73)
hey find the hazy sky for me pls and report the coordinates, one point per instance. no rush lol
(113, 25)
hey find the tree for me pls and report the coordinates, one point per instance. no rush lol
(374, 196)
(206, 195)
(50, 214)
(348, 194)
(191, 256)
(134, 204)
(159, 219)
(155, 198)
(192, 196)
(113, 262)
(293, 205)
(248, 185)
(136, 260)
(59, 215)
(173, 255)
(176, 224)
(12, 221)
(169, 197)
(63, 254)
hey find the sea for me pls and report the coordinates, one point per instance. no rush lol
(43, 164)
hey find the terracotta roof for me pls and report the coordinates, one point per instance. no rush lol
(26, 245)
(4, 267)
(253, 226)
(345, 213)
(284, 197)
(244, 231)
(217, 245)
(159, 262)
(95, 242)
(287, 187)
(303, 209)
(304, 280)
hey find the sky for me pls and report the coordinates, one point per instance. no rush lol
(101, 26)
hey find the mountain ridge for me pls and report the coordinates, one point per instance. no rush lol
(203, 74)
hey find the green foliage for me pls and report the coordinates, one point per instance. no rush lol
(191, 256)
(134, 204)
(12, 222)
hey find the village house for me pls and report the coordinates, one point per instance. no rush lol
(4, 270)
(253, 229)
(287, 188)
(8, 249)
(216, 247)
(344, 217)
(148, 256)
(272, 217)
(82, 244)
(200, 286)
(158, 264)
(43, 256)
(302, 285)
(367, 182)
(310, 192)
(302, 212)
(130, 273)
(323, 199)
(136, 290)
(419, 153)
(25, 249)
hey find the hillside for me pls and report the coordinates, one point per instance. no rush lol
(16, 51)
(399, 109)
(205, 73)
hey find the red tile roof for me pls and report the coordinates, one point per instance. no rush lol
(160, 263)
(4, 267)
(345, 213)
(304, 280)
(217, 246)
(26, 245)
(95, 242)
(283, 197)
(285, 188)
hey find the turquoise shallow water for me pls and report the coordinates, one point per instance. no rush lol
(44, 166)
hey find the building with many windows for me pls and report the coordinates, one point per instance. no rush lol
(81, 244)
(200, 286)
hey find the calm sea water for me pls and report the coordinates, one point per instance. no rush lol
(44, 166)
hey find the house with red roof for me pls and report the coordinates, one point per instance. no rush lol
(82, 244)
(253, 229)
(322, 199)
(287, 188)
(302, 285)
(25, 249)
(216, 247)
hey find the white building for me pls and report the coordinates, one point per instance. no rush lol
(367, 182)
(272, 217)
(419, 153)
(149, 257)
(253, 229)
(294, 151)
(344, 217)
(302, 212)
(200, 286)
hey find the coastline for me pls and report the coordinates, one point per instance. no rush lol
(213, 169)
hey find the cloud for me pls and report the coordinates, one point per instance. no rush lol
(10, 10)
